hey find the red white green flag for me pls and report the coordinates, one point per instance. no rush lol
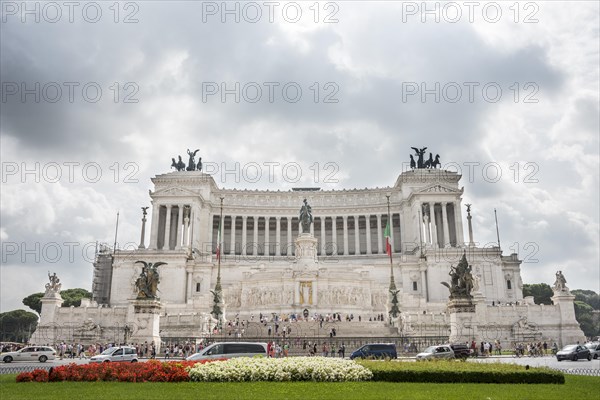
(219, 242)
(388, 239)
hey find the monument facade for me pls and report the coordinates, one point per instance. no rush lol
(332, 257)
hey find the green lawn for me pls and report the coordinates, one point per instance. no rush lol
(576, 387)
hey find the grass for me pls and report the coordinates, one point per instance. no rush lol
(576, 387)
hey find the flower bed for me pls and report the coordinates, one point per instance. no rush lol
(151, 371)
(317, 369)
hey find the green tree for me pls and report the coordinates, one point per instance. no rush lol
(542, 292)
(72, 297)
(17, 325)
(587, 296)
(33, 301)
(583, 314)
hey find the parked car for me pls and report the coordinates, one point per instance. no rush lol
(375, 350)
(594, 348)
(436, 353)
(116, 354)
(30, 353)
(574, 352)
(230, 350)
(460, 350)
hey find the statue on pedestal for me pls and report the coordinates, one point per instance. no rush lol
(560, 284)
(461, 280)
(306, 217)
(54, 285)
(147, 282)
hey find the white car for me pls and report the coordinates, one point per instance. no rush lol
(30, 353)
(228, 350)
(435, 353)
(116, 354)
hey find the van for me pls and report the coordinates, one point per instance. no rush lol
(225, 350)
(116, 354)
(375, 350)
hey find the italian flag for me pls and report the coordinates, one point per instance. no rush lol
(219, 242)
(388, 239)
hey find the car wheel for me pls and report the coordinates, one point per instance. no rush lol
(574, 358)
(43, 359)
(106, 361)
(558, 359)
(8, 359)
(595, 356)
(589, 357)
(133, 361)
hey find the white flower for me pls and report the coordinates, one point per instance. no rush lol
(280, 369)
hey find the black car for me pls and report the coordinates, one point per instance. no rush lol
(461, 350)
(375, 350)
(574, 352)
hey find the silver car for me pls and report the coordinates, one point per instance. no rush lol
(435, 353)
(116, 354)
(594, 348)
(30, 353)
(230, 350)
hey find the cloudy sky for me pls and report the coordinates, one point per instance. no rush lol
(97, 98)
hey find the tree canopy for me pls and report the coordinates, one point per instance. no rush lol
(17, 325)
(71, 297)
(542, 292)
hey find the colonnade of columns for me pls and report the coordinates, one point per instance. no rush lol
(275, 235)
(171, 227)
(442, 224)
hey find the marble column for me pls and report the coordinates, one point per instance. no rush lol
(244, 233)
(460, 239)
(323, 237)
(334, 235)
(186, 227)
(167, 241)
(446, 242)
(379, 235)
(278, 236)
(188, 291)
(356, 236)
(178, 240)
(368, 227)
(255, 237)
(434, 233)
(289, 243)
(267, 248)
(427, 229)
(232, 239)
(345, 218)
(392, 232)
(154, 227)
(424, 289)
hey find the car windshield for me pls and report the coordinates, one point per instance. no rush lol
(108, 352)
(570, 347)
(430, 349)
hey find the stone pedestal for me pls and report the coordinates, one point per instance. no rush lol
(47, 331)
(144, 322)
(306, 249)
(570, 332)
(463, 321)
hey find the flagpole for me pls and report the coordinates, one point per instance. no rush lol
(497, 231)
(218, 285)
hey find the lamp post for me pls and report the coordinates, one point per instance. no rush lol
(217, 293)
(388, 246)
